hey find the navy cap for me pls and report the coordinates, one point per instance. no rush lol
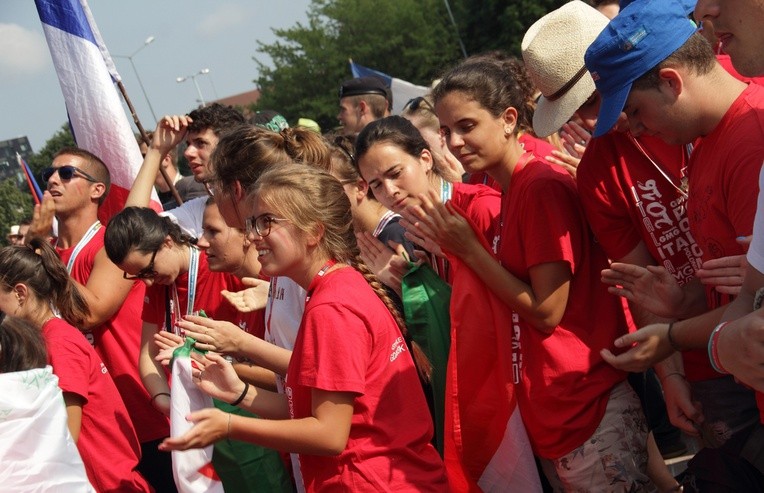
(641, 36)
(366, 85)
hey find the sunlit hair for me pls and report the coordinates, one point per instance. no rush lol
(424, 112)
(316, 204)
(172, 153)
(696, 53)
(492, 84)
(401, 133)
(95, 167)
(142, 230)
(38, 266)
(21, 346)
(246, 151)
(377, 103)
(216, 117)
(343, 161)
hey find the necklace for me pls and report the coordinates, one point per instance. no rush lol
(684, 182)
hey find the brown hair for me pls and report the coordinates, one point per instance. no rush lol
(696, 54)
(246, 151)
(21, 346)
(140, 229)
(38, 266)
(424, 111)
(312, 199)
(401, 133)
(96, 168)
(378, 104)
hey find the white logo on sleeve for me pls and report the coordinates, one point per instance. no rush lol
(398, 347)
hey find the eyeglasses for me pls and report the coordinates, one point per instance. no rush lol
(66, 173)
(146, 273)
(262, 224)
(414, 103)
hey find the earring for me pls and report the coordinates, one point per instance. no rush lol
(507, 131)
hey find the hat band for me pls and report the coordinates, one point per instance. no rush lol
(564, 89)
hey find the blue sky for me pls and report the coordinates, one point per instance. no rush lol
(190, 35)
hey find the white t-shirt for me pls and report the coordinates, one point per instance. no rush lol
(756, 250)
(283, 314)
(189, 216)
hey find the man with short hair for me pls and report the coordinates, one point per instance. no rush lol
(651, 63)
(201, 130)
(77, 183)
(363, 100)
(186, 186)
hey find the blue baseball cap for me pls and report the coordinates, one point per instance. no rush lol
(641, 36)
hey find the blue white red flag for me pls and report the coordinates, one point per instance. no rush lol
(88, 77)
(403, 91)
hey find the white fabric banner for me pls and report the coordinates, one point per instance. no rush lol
(37, 453)
(192, 469)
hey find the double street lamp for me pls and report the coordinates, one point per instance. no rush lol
(193, 77)
(148, 41)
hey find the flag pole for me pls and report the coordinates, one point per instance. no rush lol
(147, 141)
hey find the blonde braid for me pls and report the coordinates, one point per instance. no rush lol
(422, 362)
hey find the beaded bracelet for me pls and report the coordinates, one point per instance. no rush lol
(713, 350)
(242, 396)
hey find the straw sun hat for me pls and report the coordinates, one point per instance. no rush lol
(553, 50)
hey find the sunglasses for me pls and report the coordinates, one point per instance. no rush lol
(345, 144)
(414, 103)
(261, 224)
(146, 273)
(66, 173)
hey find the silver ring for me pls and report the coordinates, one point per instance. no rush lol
(583, 142)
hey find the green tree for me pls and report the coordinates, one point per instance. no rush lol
(16, 205)
(498, 24)
(408, 39)
(42, 158)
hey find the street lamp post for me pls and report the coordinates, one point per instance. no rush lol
(148, 41)
(203, 71)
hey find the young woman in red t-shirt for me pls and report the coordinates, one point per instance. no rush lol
(350, 369)
(582, 418)
(34, 283)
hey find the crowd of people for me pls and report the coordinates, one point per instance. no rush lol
(597, 199)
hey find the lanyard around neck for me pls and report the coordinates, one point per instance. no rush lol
(89, 234)
(328, 265)
(193, 273)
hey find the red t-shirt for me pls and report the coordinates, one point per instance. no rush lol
(482, 205)
(107, 443)
(564, 384)
(349, 342)
(118, 343)
(724, 170)
(628, 199)
(208, 298)
(539, 147)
